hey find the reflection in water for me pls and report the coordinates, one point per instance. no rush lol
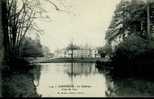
(130, 88)
(19, 82)
(74, 70)
(84, 77)
(127, 87)
(36, 75)
(78, 69)
(62, 79)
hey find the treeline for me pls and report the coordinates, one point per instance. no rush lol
(131, 43)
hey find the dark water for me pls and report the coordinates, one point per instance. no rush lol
(85, 80)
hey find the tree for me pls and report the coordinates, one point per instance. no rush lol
(134, 53)
(105, 50)
(32, 48)
(1, 47)
(18, 21)
(129, 17)
(72, 47)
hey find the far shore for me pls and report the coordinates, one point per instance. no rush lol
(68, 60)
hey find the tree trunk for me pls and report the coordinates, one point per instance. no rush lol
(148, 21)
(4, 22)
(1, 47)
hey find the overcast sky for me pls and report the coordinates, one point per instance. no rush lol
(82, 21)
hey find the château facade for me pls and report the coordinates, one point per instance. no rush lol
(77, 53)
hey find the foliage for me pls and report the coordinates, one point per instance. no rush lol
(129, 16)
(16, 23)
(105, 50)
(32, 48)
(17, 20)
(134, 54)
(72, 46)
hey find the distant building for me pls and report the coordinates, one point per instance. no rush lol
(77, 53)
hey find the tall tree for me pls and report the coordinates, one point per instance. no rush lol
(18, 19)
(1, 47)
(129, 17)
(31, 48)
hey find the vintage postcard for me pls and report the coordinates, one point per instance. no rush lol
(76, 48)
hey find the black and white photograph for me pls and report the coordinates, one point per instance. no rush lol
(76, 48)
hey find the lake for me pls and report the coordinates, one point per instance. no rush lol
(86, 80)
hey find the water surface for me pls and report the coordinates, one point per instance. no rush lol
(71, 79)
(85, 80)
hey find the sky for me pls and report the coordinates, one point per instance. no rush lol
(82, 21)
